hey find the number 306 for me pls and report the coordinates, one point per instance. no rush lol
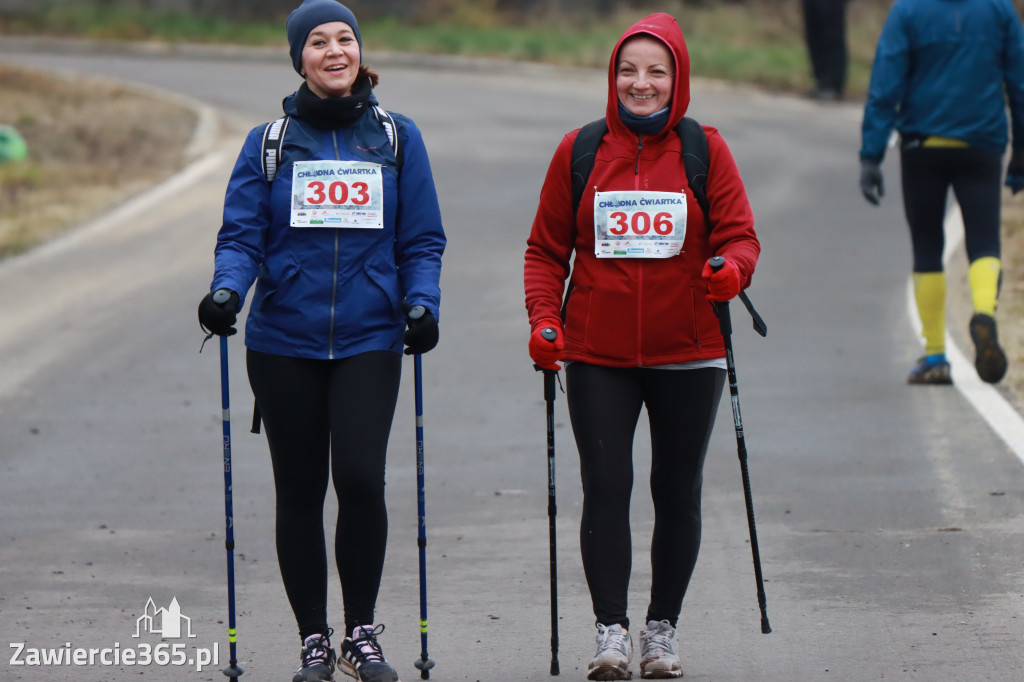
(640, 223)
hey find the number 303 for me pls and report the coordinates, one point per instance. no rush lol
(338, 193)
(640, 223)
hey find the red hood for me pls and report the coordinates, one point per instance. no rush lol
(664, 28)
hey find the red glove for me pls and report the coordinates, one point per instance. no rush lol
(544, 352)
(723, 284)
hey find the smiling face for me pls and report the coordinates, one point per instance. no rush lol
(644, 75)
(330, 59)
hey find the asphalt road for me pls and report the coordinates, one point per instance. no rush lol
(889, 517)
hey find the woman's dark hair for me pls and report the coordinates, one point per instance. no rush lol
(365, 70)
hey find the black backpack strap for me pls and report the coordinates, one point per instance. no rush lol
(696, 161)
(391, 128)
(273, 136)
(584, 150)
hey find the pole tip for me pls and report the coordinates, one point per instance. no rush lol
(765, 627)
(233, 671)
(554, 667)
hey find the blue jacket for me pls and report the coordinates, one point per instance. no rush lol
(947, 68)
(329, 293)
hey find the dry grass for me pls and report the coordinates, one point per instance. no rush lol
(91, 144)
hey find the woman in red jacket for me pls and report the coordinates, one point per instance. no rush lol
(639, 329)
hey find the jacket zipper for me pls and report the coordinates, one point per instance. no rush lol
(334, 282)
(640, 265)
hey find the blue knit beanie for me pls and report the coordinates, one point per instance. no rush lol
(309, 15)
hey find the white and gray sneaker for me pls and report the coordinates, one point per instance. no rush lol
(614, 652)
(658, 657)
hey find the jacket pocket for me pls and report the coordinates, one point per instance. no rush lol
(577, 316)
(384, 276)
(603, 323)
(705, 322)
(275, 280)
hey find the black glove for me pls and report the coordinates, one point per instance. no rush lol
(217, 312)
(422, 333)
(871, 185)
(871, 181)
(1015, 172)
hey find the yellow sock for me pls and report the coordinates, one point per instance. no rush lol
(983, 276)
(930, 293)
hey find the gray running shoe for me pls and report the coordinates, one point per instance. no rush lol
(317, 659)
(658, 657)
(614, 652)
(989, 359)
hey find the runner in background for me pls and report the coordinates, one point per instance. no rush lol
(639, 330)
(346, 238)
(943, 74)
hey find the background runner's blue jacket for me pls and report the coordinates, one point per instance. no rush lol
(323, 292)
(946, 68)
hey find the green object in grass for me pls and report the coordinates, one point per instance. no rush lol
(12, 145)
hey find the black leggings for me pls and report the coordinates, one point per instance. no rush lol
(604, 407)
(974, 175)
(328, 418)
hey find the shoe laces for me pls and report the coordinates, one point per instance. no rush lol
(659, 640)
(316, 649)
(612, 639)
(364, 637)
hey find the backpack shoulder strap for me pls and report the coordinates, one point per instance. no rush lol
(696, 161)
(696, 158)
(584, 150)
(273, 136)
(391, 128)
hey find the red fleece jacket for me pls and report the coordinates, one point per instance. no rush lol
(644, 311)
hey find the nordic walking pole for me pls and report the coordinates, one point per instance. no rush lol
(233, 670)
(423, 663)
(725, 324)
(549, 399)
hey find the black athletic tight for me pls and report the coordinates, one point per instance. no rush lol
(324, 419)
(604, 407)
(974, 175)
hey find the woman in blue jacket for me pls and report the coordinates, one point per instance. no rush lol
(342, 243)
(943, 74)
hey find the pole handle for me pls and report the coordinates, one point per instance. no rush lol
(716, 263)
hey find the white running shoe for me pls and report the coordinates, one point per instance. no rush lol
(658, 657)
(614, 652)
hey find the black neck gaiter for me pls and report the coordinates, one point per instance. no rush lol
(333, 112)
